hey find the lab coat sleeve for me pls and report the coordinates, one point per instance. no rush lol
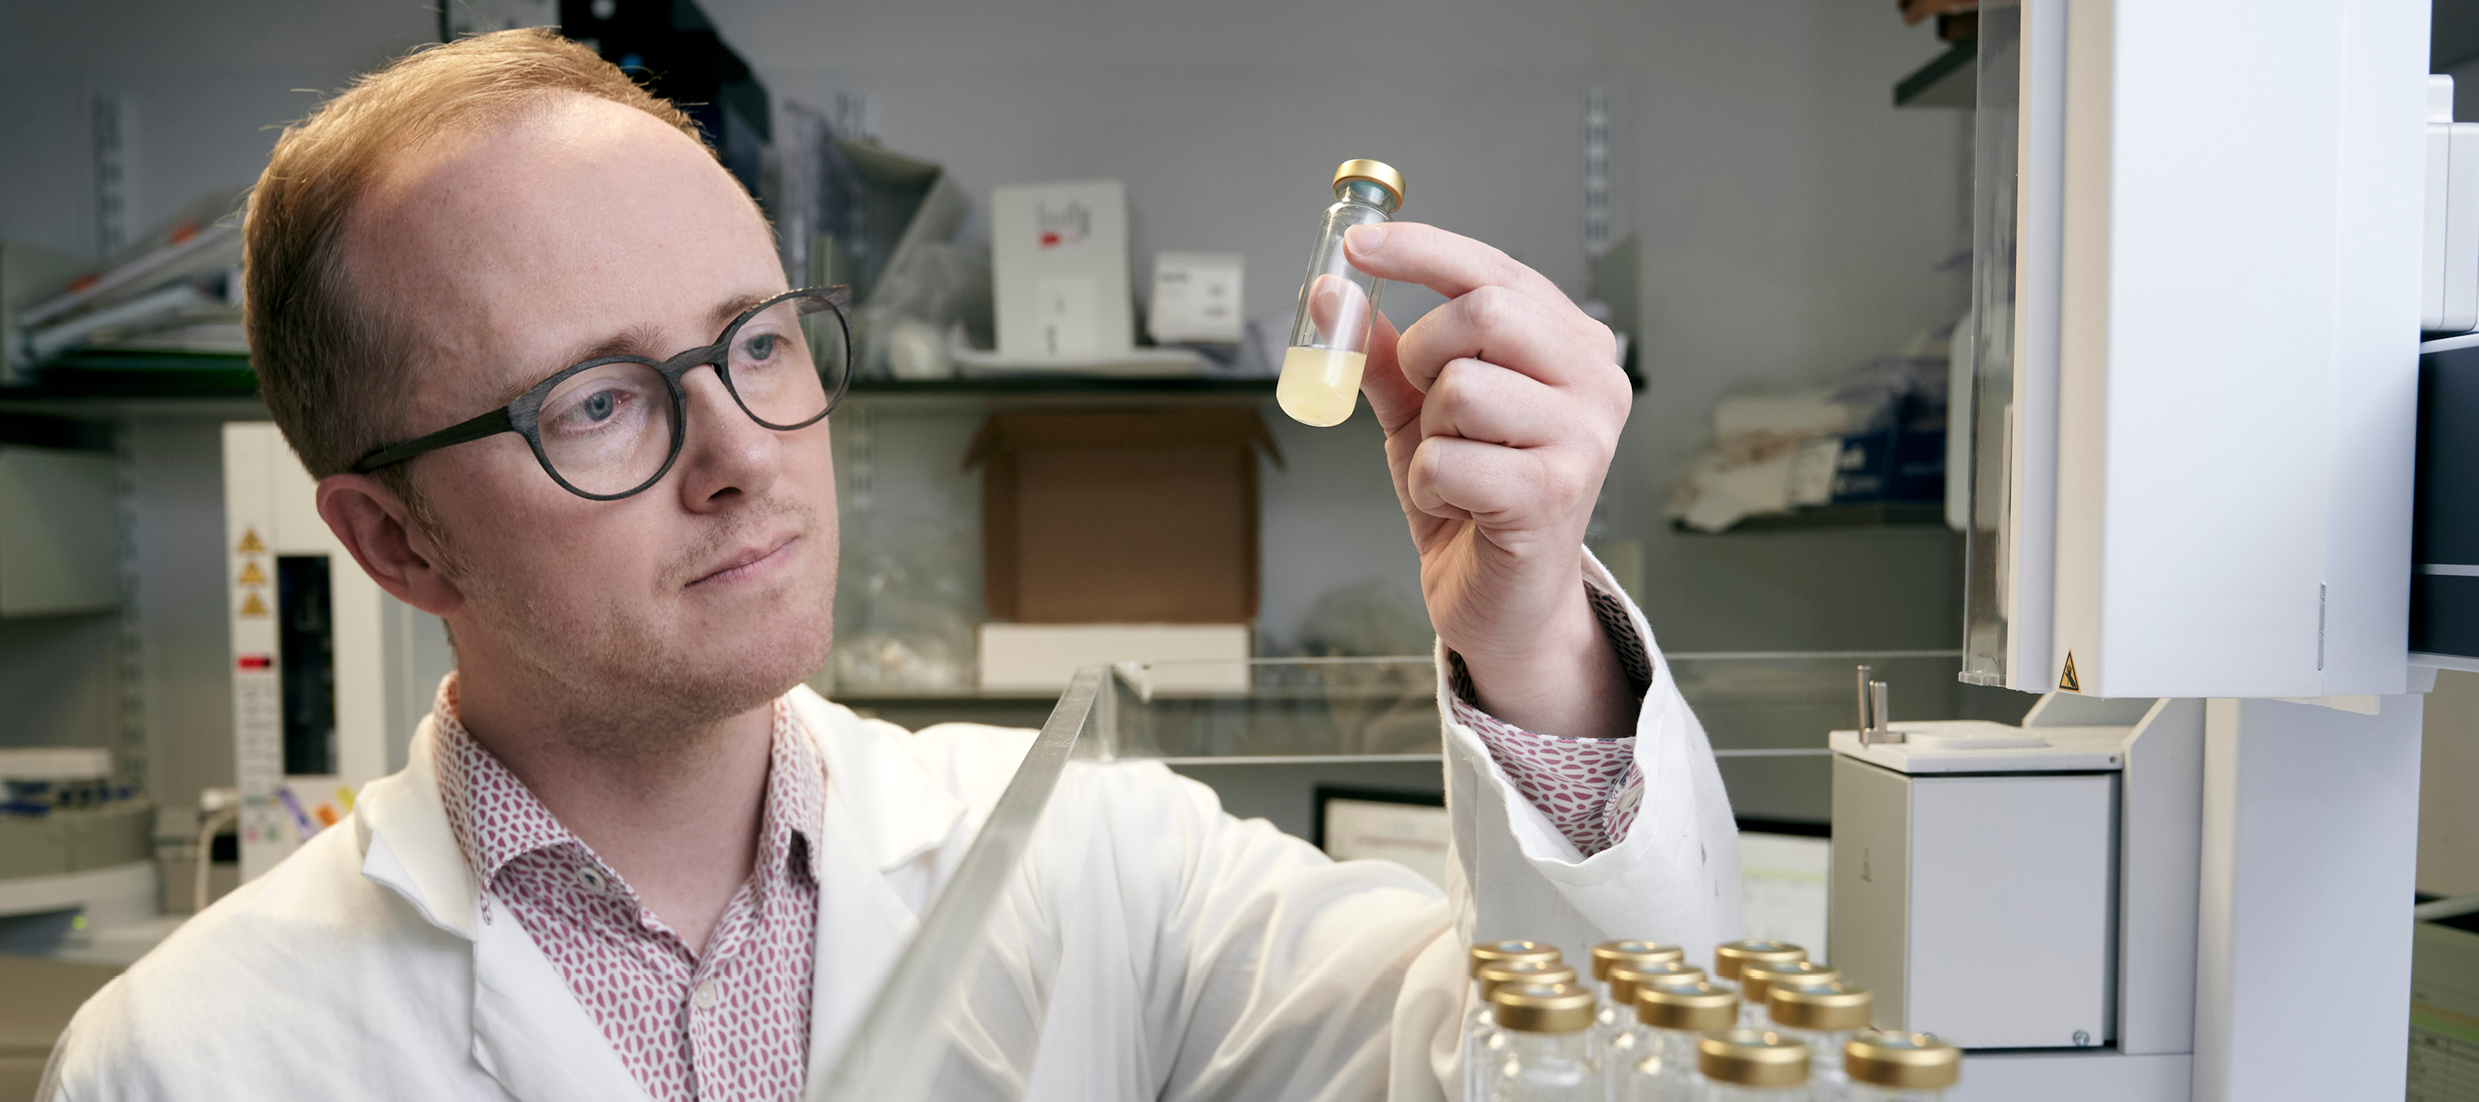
(1672, 877)
(1282, 975)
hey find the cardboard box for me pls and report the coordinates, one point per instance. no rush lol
(1121, 518)
(1059, 264)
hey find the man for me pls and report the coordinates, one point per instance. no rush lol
(632, 857)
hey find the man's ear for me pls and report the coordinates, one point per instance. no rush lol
(374, 524)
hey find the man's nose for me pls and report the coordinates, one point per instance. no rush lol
(725, 453)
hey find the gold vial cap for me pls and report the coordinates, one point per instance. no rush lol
(1488, 952)
(1695, 1007)
(1625, 978)
(1730, 956)
(1827, 1007)
(1542, 1007)
(1752, 1058)
(1375, 172)
(1504, 972)
(1756, 977)
(1902, 1060)
(1611, 954)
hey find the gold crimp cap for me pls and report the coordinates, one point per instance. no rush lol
(1612, 954)
(1752, 1058)
(1695, 1007)
(1490, 951)
(1375, 172)
(1542, 1007)
(1730, 956)
(1902, 1060)
(1626, 978)
(1827, 1007)
(1758, 977)
(1500, 973)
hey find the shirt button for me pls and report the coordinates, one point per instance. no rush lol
(705, 996)
(593, 881)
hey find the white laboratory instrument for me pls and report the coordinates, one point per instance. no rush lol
(329, 673)
(2197, 298)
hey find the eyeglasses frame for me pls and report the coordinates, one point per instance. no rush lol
(523, 415)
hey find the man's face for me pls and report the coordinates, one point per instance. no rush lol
(593, 229)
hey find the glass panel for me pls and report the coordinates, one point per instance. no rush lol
(961, 1014)
(1986, 608)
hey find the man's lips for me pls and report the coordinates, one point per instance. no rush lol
(749, 561)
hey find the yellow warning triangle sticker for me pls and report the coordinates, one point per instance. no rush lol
(252, 575)
(252, 605)
(2068, 682)
(250, 544)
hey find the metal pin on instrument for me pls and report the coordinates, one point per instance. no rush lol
(1867, 721)
(1881, 716)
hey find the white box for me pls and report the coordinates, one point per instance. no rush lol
(1977, 906)
(1059, 265)
(1044, 657)
(1196, 297)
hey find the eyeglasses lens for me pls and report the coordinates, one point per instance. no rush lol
(787, 361)
(608, 429)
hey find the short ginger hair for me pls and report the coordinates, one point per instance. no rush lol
(330, 364)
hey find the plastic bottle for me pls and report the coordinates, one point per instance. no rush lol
(1659, 1062)
(1546, 1054)
(1900, 1067)
(1752, 1065)
(1330, 336)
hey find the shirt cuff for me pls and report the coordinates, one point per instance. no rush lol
(1590, 788)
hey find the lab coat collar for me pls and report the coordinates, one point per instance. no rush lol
(903, 809)
(406, 843)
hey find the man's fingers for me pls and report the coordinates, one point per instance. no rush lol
(1394, 400)
(1450, 264)
(1490, 404)
(1557, 345)
(1455, 478)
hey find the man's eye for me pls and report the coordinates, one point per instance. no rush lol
(760, 347)
(598, 406)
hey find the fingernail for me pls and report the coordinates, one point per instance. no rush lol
(1365, 239)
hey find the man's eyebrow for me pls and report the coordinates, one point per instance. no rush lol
(734, 307)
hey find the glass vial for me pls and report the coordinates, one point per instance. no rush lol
(1730, 956)
(1752, 1065)
(1757, 979)
(1545, 1044)
(1338, 303)
(1481, 1035)
(1900, 1067)
(1624, 954)
(1616, 1032)
(1659, 1060)
(1822, 1015)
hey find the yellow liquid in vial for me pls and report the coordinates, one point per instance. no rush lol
(1320, 385)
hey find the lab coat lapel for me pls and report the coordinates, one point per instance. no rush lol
(530, 1032)
(884, 809)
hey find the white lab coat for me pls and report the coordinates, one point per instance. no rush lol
(1161, 948)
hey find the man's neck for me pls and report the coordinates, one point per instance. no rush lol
(677, 815)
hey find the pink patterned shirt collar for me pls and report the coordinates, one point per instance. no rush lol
(725, 1024)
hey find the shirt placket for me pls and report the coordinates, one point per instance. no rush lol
(714, 1044)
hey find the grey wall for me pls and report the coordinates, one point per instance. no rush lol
(1792, 220)
(1792, 223)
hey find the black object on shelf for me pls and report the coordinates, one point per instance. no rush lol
(2444, 532)
(673, 49)
(1948, 80)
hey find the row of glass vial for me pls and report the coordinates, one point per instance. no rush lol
(1653, 1028)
